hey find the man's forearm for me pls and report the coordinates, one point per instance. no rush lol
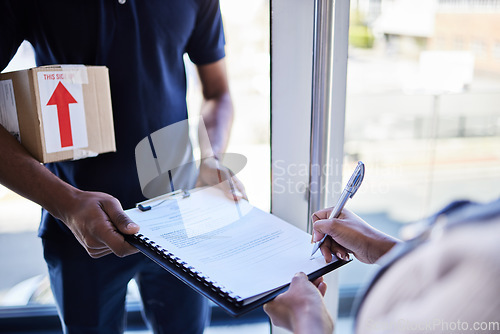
(218, 116)
(23, 174)
(96, 219)
(217, 108)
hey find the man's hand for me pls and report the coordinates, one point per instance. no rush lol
(213, 173)
(97, 220)
(301, 309)
(350, 234)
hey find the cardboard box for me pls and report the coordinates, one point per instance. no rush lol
(59, 112)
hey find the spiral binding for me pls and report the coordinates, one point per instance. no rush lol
(191, 271)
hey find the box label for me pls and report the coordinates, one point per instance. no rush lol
(63, 111)
(8, 110)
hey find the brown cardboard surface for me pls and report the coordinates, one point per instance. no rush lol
(97, 109)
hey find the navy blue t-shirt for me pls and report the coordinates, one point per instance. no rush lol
(142, 42)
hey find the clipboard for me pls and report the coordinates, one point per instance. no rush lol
(219, 291)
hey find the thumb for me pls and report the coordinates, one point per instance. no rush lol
(298, 278)
(119, 218)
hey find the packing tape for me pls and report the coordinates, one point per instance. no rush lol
(80, 154)
(75, 74)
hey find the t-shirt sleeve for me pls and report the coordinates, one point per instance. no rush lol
(12, 27)
(206, 44)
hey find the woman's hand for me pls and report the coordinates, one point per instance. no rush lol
(350, 234)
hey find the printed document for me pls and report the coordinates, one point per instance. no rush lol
(242, 249)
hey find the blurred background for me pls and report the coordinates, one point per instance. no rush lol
(422, 113)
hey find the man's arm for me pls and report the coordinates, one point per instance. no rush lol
(96, 219)
(217, 108)
(301, 309)
(217, 114)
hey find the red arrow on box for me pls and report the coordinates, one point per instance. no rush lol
(62, 98)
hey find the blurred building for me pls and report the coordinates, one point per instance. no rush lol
(472, 25)
(409, 27)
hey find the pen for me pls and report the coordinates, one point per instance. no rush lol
(349, 191)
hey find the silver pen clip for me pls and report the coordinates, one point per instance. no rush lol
(356, 179)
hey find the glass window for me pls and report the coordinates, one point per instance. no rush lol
(478, 47)
(496, 51)
(427, 136)
(459, 43)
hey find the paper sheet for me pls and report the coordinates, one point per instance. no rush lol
(241, 248)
